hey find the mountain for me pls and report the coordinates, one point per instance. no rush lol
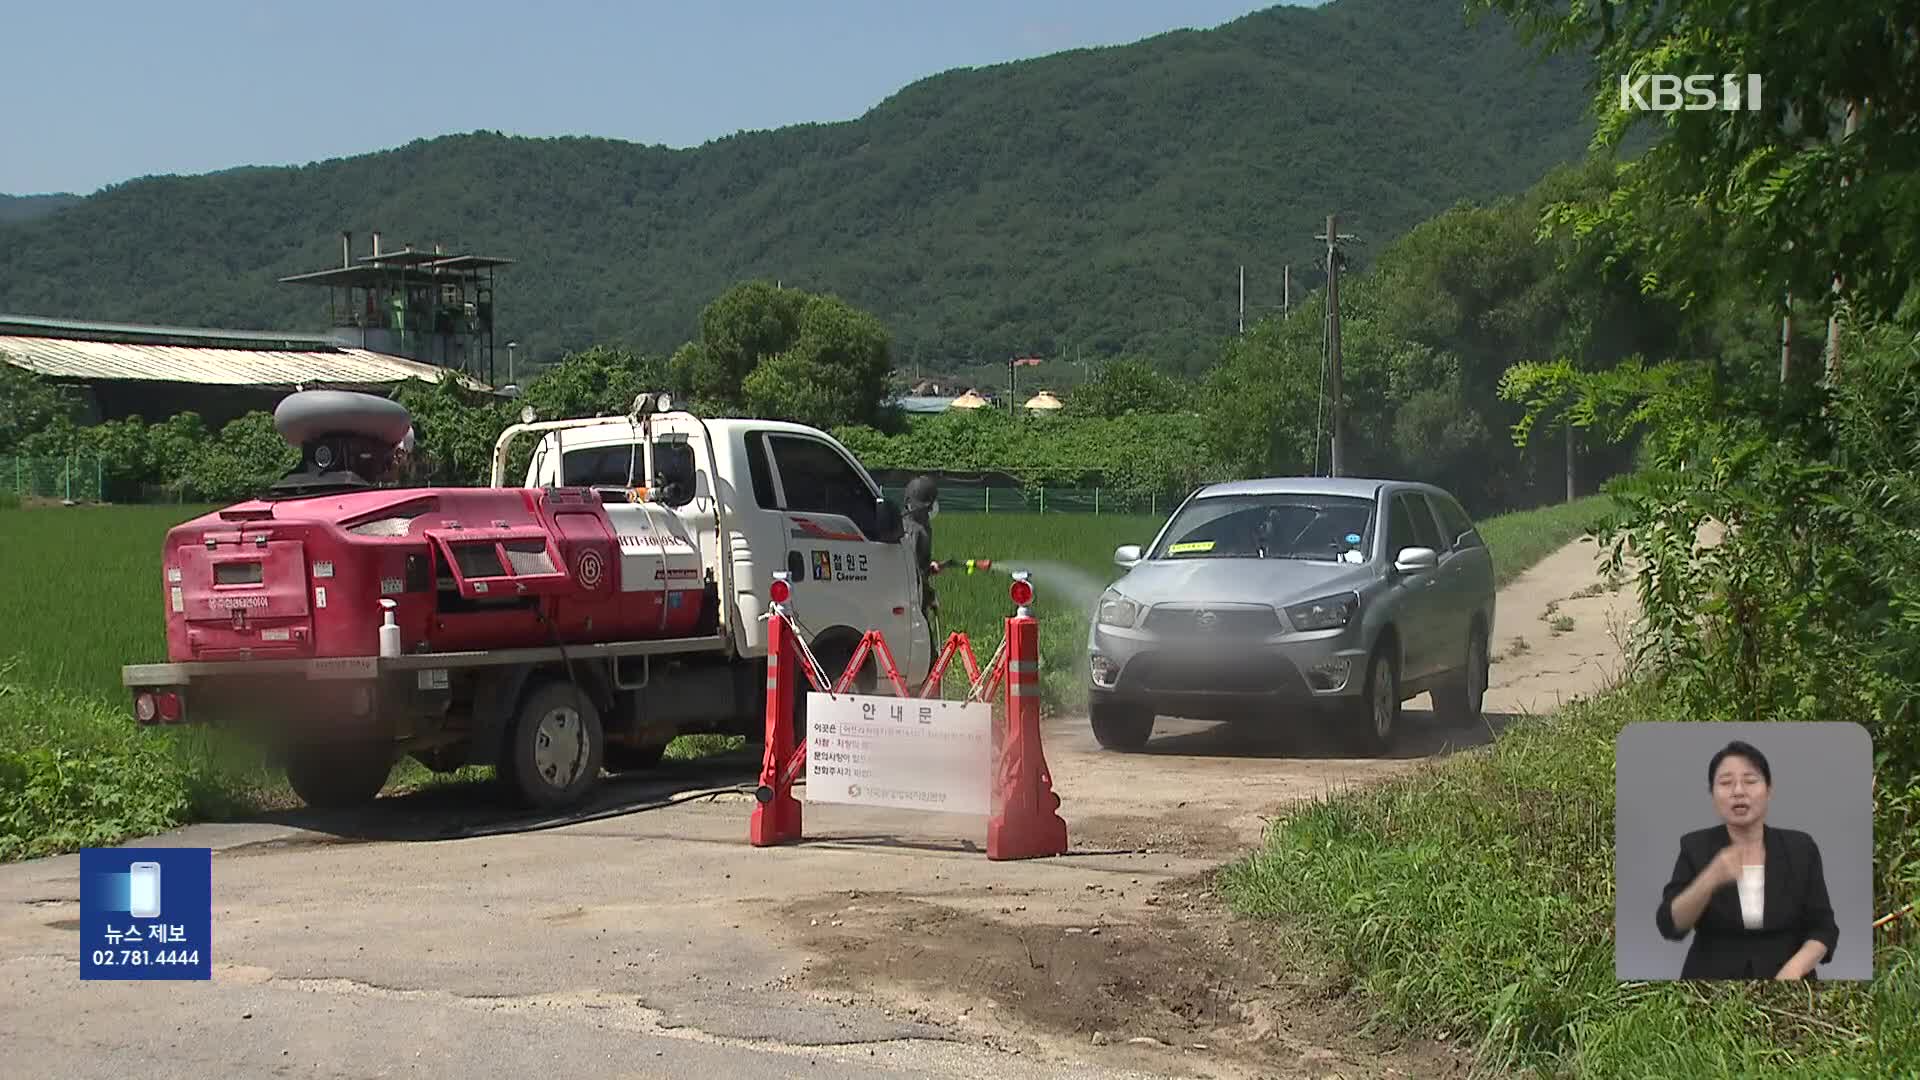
(27, 207)
(1099, 199)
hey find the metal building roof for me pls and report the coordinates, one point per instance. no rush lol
(146, 334)
(74, 358)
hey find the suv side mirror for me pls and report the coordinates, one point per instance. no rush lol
(1126, 556)
(1412, 560)
(886, 521)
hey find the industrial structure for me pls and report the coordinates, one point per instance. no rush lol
(117, 370)
(396, 316)
(429, 306)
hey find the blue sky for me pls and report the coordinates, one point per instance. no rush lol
(100, 92)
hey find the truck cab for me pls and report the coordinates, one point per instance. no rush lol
(752, 498)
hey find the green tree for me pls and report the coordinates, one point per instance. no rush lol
(243, 462)
(600, 381)
(29, 404)
(1127, 386)
(1761, 189)
(787, 354)
(1806, 609)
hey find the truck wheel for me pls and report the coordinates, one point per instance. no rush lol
(1458, 703)
(1121, 727)
(553, 756)
(335, 776)
(1375, 717)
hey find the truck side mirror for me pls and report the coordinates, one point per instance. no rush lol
(886, 521)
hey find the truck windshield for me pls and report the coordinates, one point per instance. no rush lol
(1321, 528)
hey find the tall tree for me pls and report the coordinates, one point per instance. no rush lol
(787, 354)
(1775, 193)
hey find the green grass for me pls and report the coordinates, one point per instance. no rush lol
(82, 593)
(1477, 896)
(75, 772)
(1521, 539)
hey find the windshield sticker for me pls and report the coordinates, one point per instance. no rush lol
(1194, 545)
(1353, 538)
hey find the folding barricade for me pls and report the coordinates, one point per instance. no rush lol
(1023, 821)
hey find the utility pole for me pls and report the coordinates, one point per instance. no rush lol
(1243, 298)
(1334, 238)
(1786, 339)
(1833, 319)
(1286, 289)
(1569, 460)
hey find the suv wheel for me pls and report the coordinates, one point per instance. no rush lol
(1376, 716)
(1459, 702)
(1121, 727)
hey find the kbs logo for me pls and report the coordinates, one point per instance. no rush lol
(589, 569)
(1693, 93)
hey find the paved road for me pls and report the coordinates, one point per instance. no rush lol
(655, 943)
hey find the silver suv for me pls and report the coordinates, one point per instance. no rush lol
(1350, 596)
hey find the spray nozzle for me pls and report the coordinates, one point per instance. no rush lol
(972, 565)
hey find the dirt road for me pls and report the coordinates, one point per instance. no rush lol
(656, 943)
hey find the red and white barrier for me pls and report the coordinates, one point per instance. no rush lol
(1024, 821)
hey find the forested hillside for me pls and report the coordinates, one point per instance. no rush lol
(1099, 199)
(28, 207)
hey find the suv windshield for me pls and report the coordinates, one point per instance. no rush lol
(1324, 528)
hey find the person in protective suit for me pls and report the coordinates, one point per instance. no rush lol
(923, 497)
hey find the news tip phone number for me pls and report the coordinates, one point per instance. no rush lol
(145, 957)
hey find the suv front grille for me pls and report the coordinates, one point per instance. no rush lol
(1197, 621)
(1238, 675)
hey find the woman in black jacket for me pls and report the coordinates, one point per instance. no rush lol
(1754, 897)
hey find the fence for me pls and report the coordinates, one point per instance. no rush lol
(74, 477)
(1044, 500)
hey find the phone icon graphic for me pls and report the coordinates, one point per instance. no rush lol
(143, 892)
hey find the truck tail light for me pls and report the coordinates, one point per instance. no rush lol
(167, 703)
(144, 708)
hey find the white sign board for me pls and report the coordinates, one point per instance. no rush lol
(905, 753)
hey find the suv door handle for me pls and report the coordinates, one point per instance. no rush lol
(796, 566)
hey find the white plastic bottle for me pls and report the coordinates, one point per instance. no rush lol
(389, 630)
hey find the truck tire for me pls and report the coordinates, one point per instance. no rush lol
(1121, 727)
(337, 776)
(555, 747)
(1458, 703)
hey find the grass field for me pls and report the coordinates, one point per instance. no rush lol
(82, 596)
(1477, 896)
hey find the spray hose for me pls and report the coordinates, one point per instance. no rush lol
(972, 565)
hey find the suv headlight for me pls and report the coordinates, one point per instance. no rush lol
(1325, 613)
(1117, 610)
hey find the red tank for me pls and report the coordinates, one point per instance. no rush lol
(467, 568)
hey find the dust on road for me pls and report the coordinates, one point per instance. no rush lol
(658, 944)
